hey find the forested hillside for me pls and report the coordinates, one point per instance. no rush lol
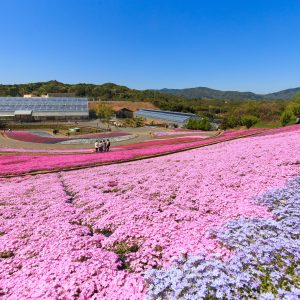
(105, 92)
(111, 91)
(207, 93)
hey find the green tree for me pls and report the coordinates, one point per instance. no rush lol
(104, 111)
(202, 124)
(296, 109)
(230, 121)
(285, 118)
(296, 98)
(248, 120)
(293, 108)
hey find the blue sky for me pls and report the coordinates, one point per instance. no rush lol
(246, 45)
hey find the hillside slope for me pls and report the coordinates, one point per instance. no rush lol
(105, 92)
(285, 94)
(95, 232)
(111, 91)
(207, 93)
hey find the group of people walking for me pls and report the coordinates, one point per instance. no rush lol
(102, 145)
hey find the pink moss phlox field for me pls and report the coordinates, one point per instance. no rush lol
(92, 233)
(23, 150)
(127, 146)
(51, 256)
(27, 136)
(182, 139)
(170, 133)
(286, 129)
(160, 142)
(18, 164)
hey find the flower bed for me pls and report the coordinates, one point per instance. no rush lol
(178, 132)
(160, 142)
(286, 129)
(145, 144)
(54, 151)
(80, 141)
(94, 233)
(12, 164)
(27, 136)
(265, 263)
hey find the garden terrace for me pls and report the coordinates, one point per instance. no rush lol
(27, 136)
(12, 165)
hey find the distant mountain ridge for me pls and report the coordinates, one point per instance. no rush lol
(285, 94)
(111, 91)
(207, 93)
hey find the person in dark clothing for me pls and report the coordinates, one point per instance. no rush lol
(107, 145)
(101, 146)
